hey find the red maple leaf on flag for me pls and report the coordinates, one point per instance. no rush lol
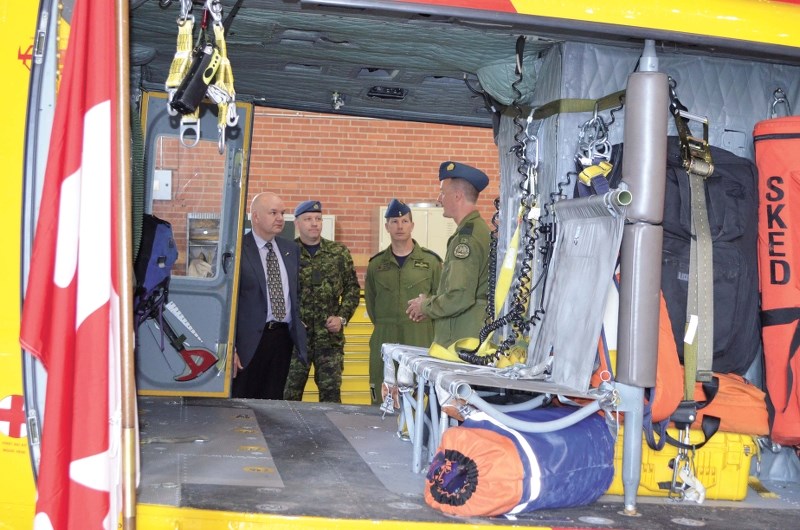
(70, 318)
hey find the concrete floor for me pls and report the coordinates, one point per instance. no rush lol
(346, 461)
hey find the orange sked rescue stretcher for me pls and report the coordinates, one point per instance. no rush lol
(777, 150)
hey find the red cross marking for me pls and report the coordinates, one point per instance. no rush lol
(12, 416)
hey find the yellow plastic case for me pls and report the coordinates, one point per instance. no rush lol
(722, 466)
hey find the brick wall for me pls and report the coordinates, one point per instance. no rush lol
(197, 187)
(354, 165)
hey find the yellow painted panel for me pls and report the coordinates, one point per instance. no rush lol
(153, 517)
(17, 493)
(356, 351)
(769, 22)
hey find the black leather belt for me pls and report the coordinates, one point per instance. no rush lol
(274, 324)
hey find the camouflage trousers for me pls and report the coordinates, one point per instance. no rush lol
(328, 365)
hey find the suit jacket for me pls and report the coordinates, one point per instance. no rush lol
(251, 314)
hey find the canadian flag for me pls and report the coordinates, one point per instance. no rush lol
(70, 317)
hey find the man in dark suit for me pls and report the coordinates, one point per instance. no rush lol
(268, 322)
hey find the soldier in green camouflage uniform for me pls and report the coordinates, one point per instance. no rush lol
(398, 273)
(458, 308)
(329, 295)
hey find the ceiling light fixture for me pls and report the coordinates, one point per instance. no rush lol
(387, 92)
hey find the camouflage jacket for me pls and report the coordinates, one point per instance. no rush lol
(328, 286)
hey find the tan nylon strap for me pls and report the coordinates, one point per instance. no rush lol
(698, 347)
(569, 105)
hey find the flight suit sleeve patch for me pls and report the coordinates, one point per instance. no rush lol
(461, 250)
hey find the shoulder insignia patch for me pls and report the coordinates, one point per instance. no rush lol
(461, 250)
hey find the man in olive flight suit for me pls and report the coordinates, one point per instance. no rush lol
(329, 295)
(458, 308)
(401, 271)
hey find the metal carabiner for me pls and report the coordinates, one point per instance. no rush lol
(215, 8)
(186, 8)
(221, 140)
(600, 150)
(232, 117)
(170, 95)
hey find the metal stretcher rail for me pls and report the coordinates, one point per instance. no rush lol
(451, 382)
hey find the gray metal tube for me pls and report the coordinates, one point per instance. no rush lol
(419, 427)
(613, 201)
(435, 436)
(632, 448)
(644, 171)
(640, 285)
(645, 137)
(466, 393)
(531, 404)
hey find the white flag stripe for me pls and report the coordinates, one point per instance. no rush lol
(94, 240)
(67, 241)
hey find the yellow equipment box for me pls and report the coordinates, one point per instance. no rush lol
(722, 466)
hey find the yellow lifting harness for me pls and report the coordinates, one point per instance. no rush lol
(192, 71)
(182, 58)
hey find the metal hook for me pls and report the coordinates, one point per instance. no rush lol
(215, 8)
(186, 8)
(616, 109)
(520, 50)
(171, 111)
(221, 140)
(779, 98)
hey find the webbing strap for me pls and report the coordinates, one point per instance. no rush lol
(224, 78)
(781, 317)
(570, 105)
(699, 333)
(698, 339)
(183, 52)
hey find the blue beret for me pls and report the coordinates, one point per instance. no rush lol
(308, 206)
(396, 209)
(454, 170)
